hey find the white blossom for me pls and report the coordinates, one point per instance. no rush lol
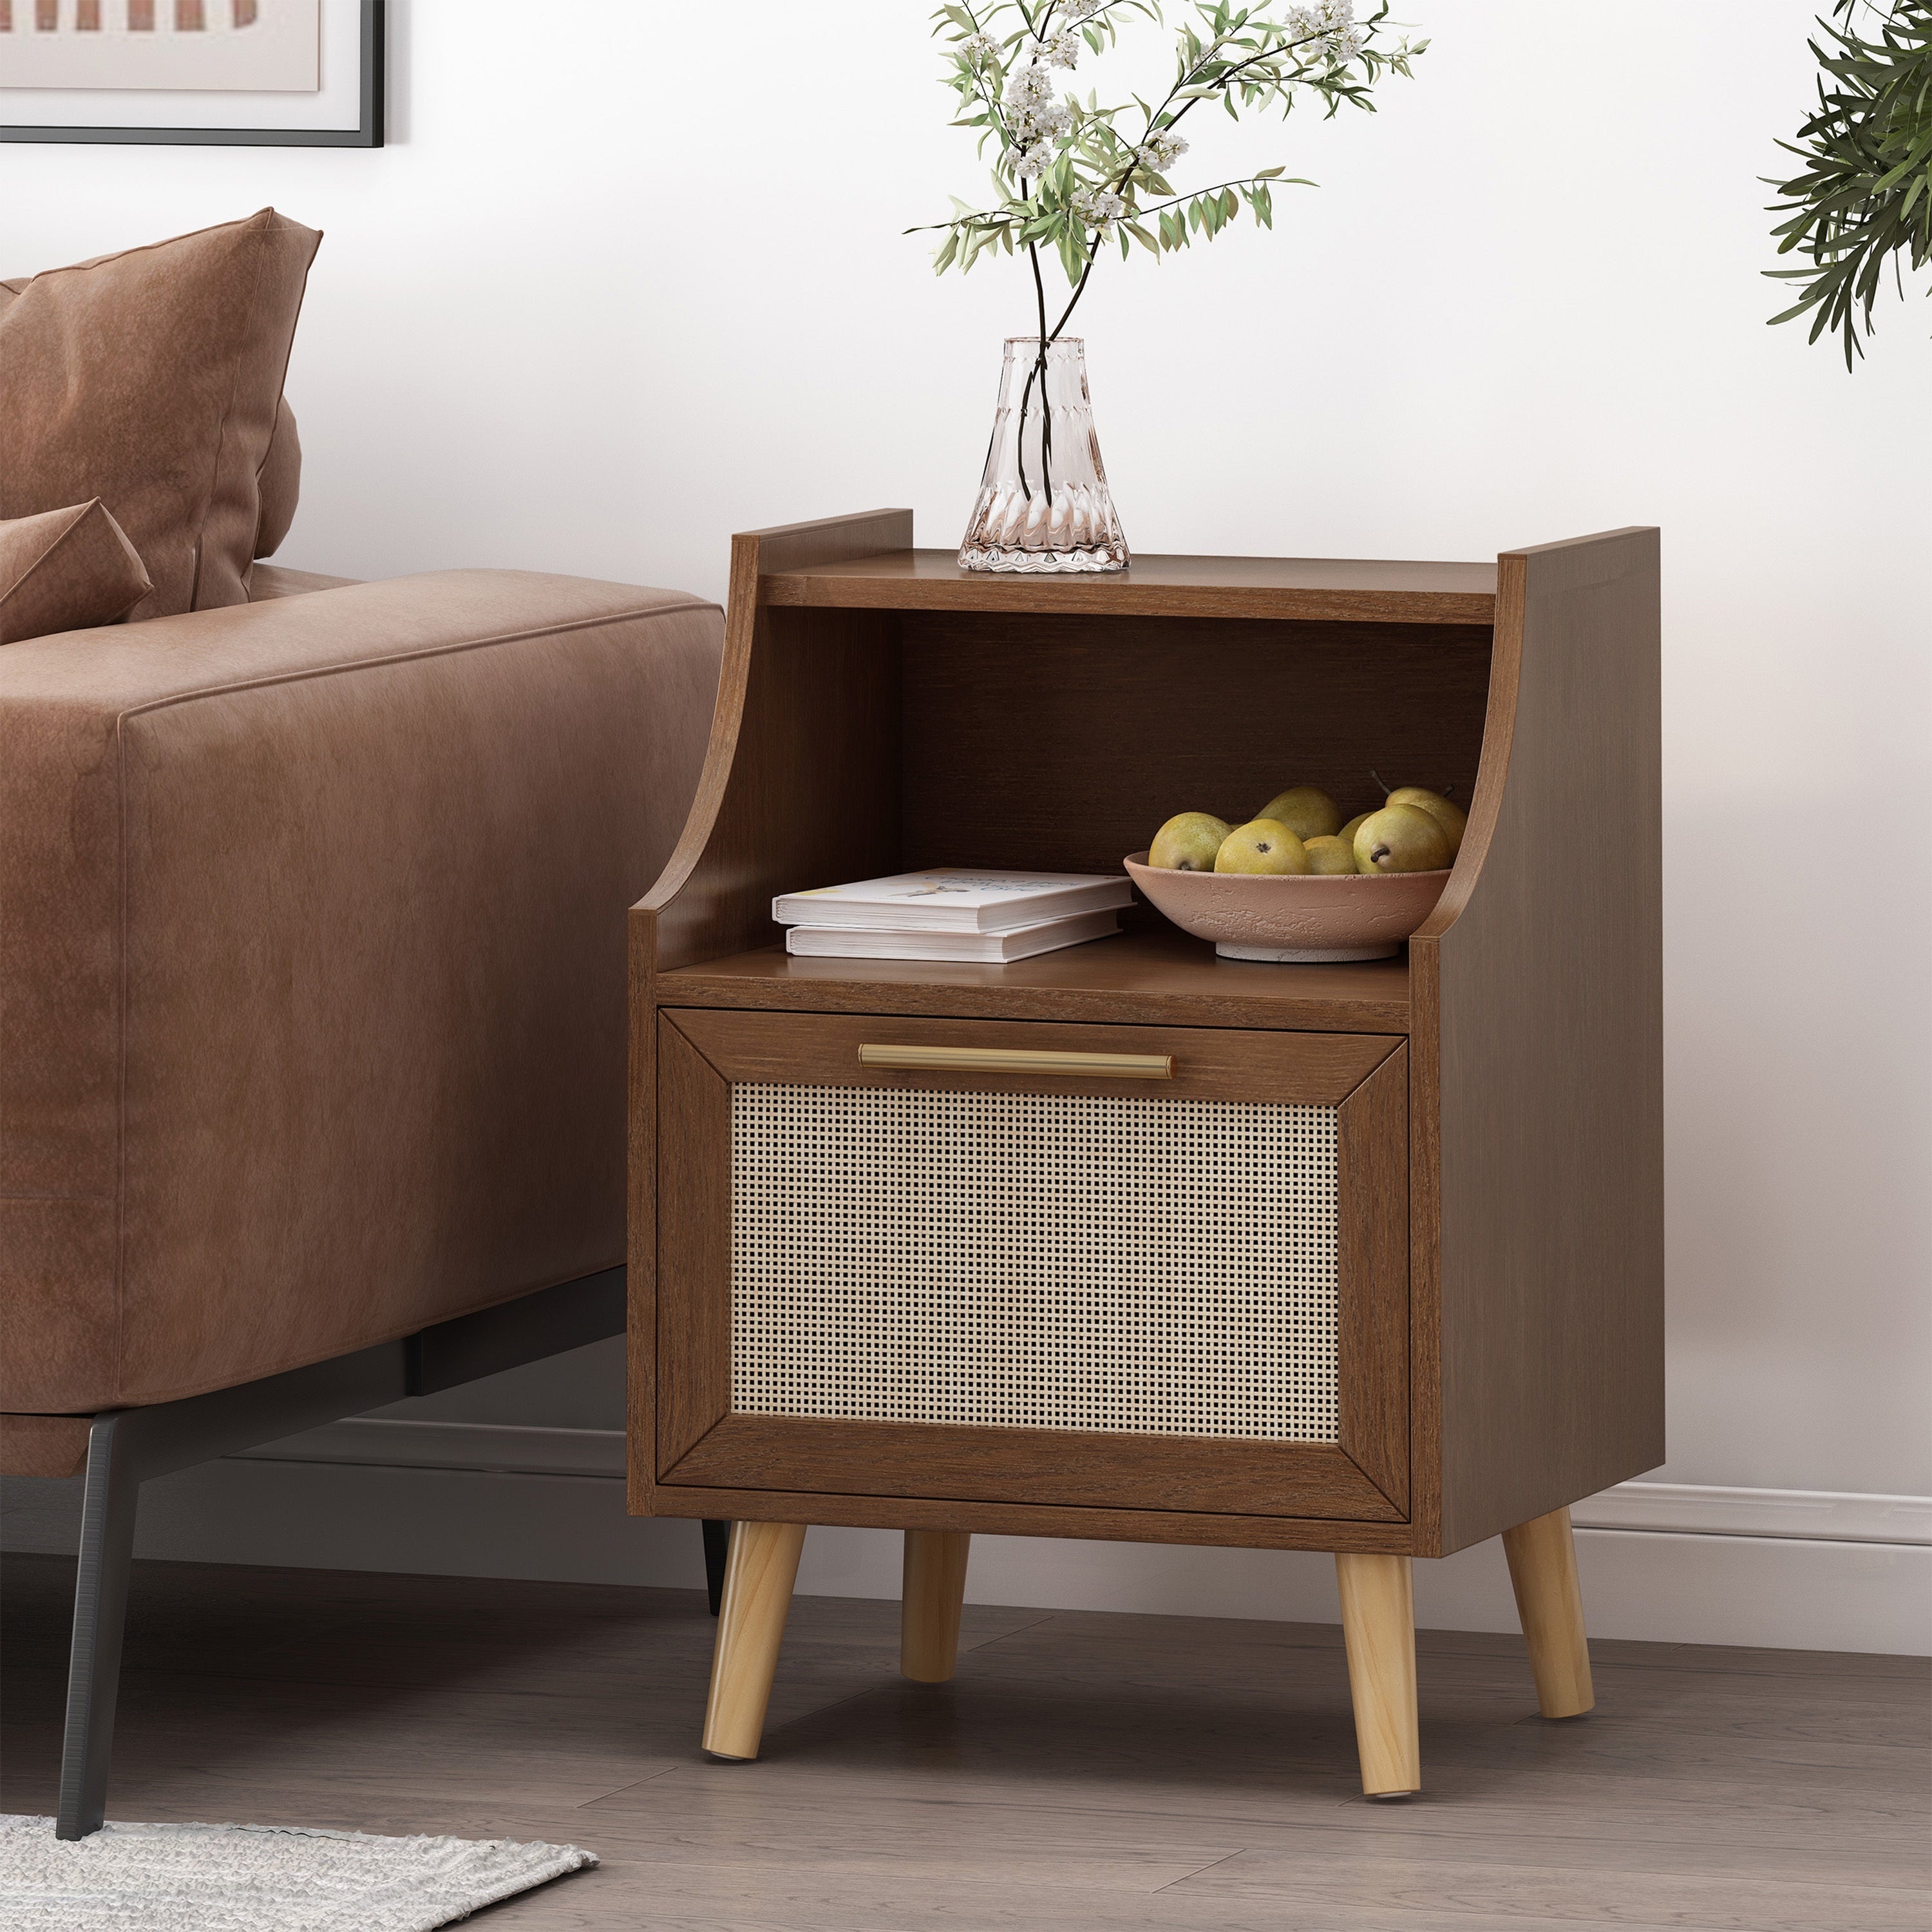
(1330, 29)
(1033, 116)
(1029, 87)
(1024, 163)
(978, 50)
(1162, 150)
(1077, 10)
(1099, 208)
(1062, 50)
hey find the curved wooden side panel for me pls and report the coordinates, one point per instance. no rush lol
(761, 812)
(800, 786)
(1536, 1095)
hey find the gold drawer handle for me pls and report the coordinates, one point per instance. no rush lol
(1021, 1060)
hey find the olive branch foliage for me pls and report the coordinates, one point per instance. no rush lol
(1865, 197)
(1067, 189)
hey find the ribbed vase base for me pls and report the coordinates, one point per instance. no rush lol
(1090, 557)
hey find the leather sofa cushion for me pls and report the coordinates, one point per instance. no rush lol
(313, 981)
(66, 570)
(279, 480)
(151, 379)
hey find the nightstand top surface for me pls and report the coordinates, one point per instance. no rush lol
(1332, 589)
(1151, 976)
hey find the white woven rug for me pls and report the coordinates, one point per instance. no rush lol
(256, 1878)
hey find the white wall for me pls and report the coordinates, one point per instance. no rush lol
(631, 278)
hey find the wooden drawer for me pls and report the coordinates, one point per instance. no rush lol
(1115, 1268)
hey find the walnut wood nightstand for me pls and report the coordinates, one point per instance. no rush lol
(1366, 1258)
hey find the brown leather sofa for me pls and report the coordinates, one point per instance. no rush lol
(312, 920)
(312, 1017)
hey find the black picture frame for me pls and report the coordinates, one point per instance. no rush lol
(368, 133)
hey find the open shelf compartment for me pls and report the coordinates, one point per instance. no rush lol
(890, 711)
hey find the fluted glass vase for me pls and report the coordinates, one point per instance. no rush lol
(1043, 503)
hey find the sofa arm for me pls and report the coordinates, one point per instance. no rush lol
(312, 966)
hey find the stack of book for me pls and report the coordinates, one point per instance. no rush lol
(952, 912)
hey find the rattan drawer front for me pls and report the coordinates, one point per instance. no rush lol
(1069, 1262)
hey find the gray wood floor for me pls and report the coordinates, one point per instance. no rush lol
(1083, 1770)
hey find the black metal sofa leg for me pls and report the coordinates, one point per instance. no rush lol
(127, 1447)
(100, 1619)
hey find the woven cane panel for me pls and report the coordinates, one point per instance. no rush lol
(1034, 1261)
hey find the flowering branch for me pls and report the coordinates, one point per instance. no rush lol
(1065, 176)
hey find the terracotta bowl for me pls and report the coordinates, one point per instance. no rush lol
(1293, 919)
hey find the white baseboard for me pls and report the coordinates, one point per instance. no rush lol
(1673, 1562)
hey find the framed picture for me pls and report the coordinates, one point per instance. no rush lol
(256, 74)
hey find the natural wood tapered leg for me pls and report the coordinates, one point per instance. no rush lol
(1378, 1626)
(759, 1574)
(1542, 1555)
(930, 1603)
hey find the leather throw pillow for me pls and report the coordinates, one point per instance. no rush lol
(66, 570)
(152, 380)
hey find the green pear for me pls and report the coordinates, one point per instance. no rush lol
(1330, 855)
(1453, 819)
(1347, 834)
(1307, 812)
(1187, 842)
(1261, 845)
(1400, 838)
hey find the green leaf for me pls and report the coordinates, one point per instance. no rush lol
(1863, 197)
